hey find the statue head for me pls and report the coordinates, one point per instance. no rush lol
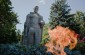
(36, 9)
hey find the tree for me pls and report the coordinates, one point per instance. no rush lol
(79, 19)
(45, 30)
(8, 21)
(60, 14)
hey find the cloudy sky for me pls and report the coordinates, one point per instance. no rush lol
(23, 7)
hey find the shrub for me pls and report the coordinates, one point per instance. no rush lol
(16, 49)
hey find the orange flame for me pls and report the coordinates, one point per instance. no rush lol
(61, 37)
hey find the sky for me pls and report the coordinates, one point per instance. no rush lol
(24, 7)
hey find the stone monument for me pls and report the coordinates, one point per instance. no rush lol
(33, 28)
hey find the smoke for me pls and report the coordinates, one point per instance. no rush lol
(42, 2)
(39, 3)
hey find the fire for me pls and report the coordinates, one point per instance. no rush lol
(61, 37)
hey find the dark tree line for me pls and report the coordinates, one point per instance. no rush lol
(8, 21)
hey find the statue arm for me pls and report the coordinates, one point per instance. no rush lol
(26, 25)
(41, 22)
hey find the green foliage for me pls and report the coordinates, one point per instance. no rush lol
(80, 21)
(8, 21)
(45, 40)
(45, 37)
(60, 14)
(45, 30)
(80, 46)
(16, 49)
(37, 50)
(12, 49)
(19, 36)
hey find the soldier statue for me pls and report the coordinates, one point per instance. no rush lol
(33, 28)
